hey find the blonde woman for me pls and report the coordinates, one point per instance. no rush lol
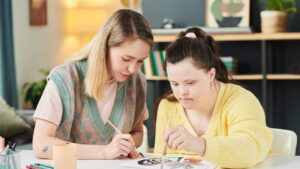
(101, 84)
(209, 115)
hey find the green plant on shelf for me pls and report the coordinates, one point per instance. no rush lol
(33, 90)
(288, 6)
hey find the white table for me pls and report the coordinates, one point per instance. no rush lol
(28, 158)
(278, 162)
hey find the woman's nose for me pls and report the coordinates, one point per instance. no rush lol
(183, 91)
(132, 68)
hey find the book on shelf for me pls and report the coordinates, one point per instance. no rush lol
(159, 62)
(230, 63)
(162, 56)
(148, 70)
(210, 30)
(154, 65)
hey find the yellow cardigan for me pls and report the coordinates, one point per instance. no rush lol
(237, 135)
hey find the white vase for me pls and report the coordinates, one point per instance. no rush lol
(273, 21)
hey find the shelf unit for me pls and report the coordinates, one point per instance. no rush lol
(236, 77)
(245, 77)
(266, 55)
(238, 37)
(283, 77)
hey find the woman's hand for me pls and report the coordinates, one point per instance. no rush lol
(134, 154)
(120, 146)
(179, 138)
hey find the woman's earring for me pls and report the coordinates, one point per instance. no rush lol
(211, 85)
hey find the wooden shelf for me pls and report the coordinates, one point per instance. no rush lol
(245, 77)
(156, 78)
(248, 77)
(283, 76)
(239, 37)
(236, 77)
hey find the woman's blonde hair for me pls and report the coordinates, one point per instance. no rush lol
(123, 25)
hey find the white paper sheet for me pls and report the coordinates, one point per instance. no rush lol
(168, 165)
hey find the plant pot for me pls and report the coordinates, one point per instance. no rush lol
(273, 21)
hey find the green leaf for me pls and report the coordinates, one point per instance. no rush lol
(32, 90)
(288, 6)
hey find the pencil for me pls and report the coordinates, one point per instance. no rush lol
(166, 145)
(119, 132)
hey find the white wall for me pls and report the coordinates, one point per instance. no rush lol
(36, 47)
(39, 47)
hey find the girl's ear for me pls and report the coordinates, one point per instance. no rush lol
(212, 74)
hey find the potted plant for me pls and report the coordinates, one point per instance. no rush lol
(33, 90)
(274, 18)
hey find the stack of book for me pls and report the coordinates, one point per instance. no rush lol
(154, 65)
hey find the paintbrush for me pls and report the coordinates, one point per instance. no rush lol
(119, 132)
(114, 127)
(162, 162)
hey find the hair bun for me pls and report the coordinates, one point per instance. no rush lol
(191, 35)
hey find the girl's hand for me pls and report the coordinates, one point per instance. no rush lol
(179, 138)
(120, 146)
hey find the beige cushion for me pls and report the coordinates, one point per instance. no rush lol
(11, 123)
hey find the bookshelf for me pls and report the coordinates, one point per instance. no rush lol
(242, 37)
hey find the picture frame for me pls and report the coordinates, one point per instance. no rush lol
(38, 12)
(227, 13)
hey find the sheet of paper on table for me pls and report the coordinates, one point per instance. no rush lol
(170, 162)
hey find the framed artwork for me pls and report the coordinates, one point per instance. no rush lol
(38, 12)
(227, 13)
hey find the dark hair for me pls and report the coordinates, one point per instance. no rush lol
(203, 49)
